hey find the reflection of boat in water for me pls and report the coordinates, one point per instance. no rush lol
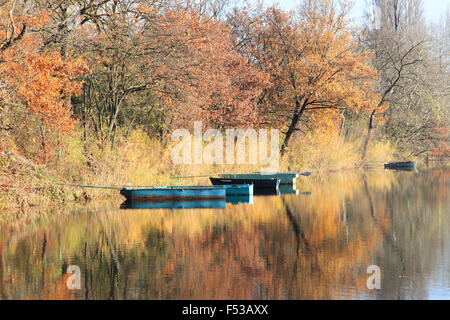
(219, 204)
(288, 189)
(403, 169)
(199, 204)
(266, 192)
(240, 199)
(281, 190)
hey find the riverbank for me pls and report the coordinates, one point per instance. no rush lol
(137, 159)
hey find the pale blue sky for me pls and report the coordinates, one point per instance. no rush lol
(434, 9)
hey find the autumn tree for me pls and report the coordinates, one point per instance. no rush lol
(412, 73)
(68, 16)
(39, 79)
(159, 64)
(316, 69)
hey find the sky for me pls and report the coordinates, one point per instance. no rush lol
(434, 9)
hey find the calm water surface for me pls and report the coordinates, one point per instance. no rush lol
(314, 245)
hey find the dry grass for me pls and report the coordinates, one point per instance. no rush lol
(320, 151)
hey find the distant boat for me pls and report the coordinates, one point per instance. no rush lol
(286, 178)
(230, 189)
(170, 194)
(257, 183)
(400, 165)
(219, 204)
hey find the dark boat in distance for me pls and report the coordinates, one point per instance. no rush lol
(400, 165)
(257, 183)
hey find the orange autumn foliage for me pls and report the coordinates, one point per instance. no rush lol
(41, 80)
(205, 77)
(45, 82)
(316, 67)
(174, 61)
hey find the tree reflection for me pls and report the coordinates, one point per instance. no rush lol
(289, 247)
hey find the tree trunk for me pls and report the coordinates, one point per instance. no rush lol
(300, 107)
(113, 136)
(369, 132)
(84, 113)
(113, 120)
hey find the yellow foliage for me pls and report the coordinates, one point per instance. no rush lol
(320, 150)
(380, 151)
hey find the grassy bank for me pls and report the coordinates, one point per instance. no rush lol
(138, 160)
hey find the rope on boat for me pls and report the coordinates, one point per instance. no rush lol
(185, 177)
(86, 186)
(210, 175)
(100, 187)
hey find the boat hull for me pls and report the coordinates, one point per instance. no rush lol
(286, 178)
(170, 194)
(257, 183)
(230, 189)
(400, 165)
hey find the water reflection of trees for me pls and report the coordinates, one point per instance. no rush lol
(418, 209)
(294, 247)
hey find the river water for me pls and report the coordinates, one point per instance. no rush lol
(313, 243)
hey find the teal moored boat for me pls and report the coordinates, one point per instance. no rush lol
(257, 183)
(230, 189)
(170, 194)
(286, 178)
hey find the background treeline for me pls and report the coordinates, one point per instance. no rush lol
(93, 88)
